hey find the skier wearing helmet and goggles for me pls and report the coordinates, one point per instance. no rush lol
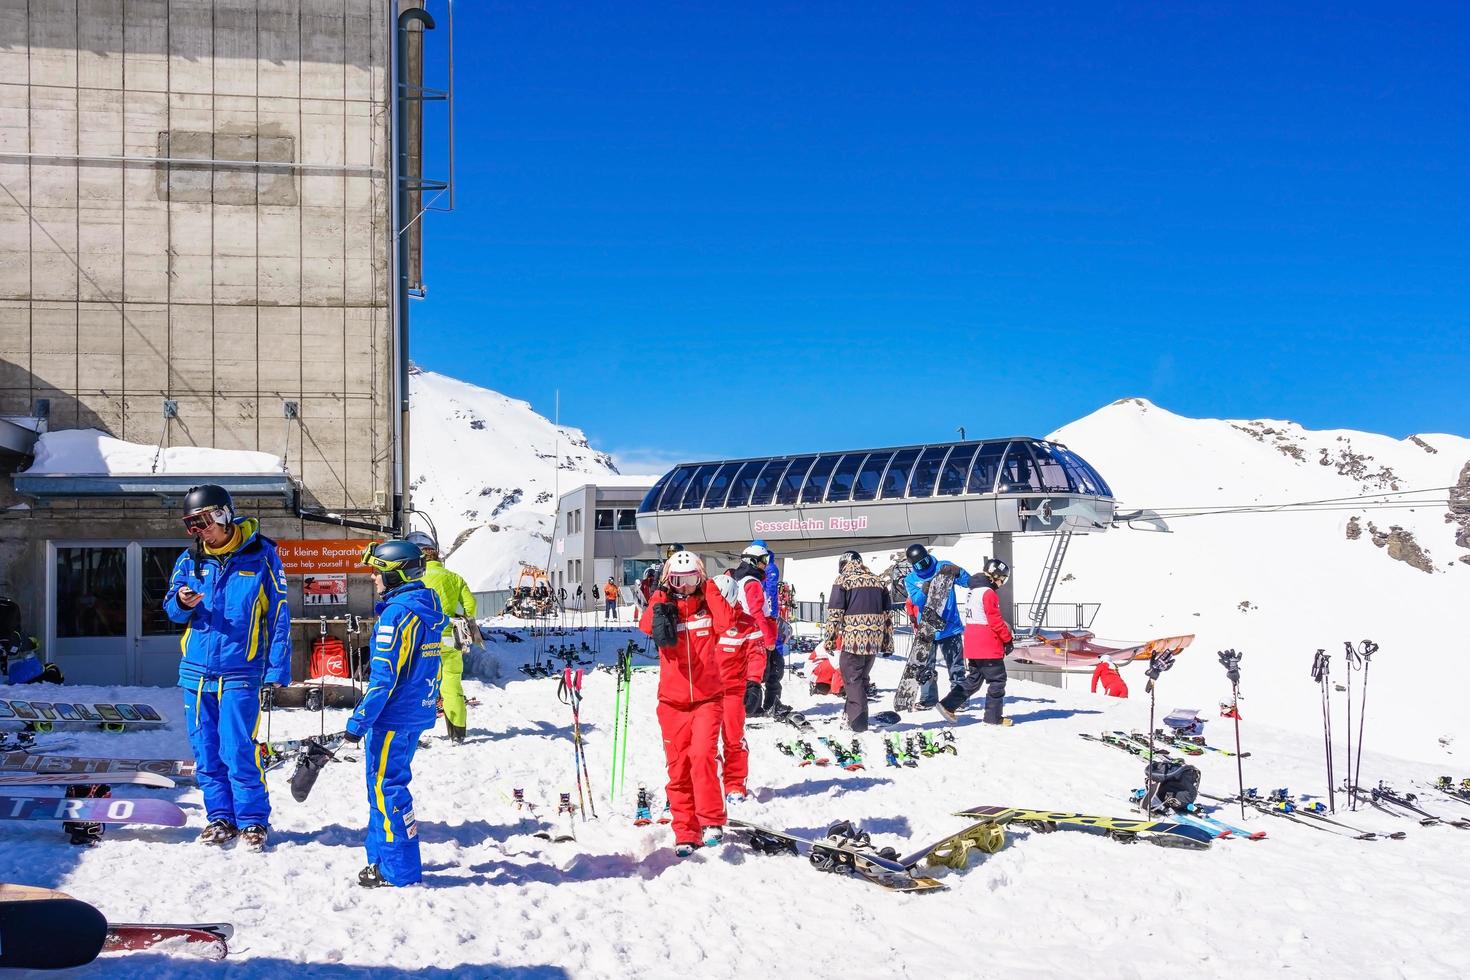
(684, 616)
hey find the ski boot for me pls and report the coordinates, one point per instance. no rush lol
(371, 877)
(737, 795)
(642, 816)
(667, 817)
(218, 832)
(713, 836)
(255, 836)
(910, 751)
(684, 849)
(847, 832)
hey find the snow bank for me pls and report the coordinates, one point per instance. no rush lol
(92, 452)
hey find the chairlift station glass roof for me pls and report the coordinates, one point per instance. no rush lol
(822, 501)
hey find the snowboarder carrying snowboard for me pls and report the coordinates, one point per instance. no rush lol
(684, 616)
(948, 642)
(859, 621)
(455, 599)
(230, 591)
(987, 639)
(399, 706)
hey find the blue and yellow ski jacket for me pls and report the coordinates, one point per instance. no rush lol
(403, 690)
(240, 632)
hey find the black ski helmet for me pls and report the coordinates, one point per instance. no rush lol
(847, 558)
(206, 497)
(397, 561)
(917, 554)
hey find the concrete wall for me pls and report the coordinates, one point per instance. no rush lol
(230, 290)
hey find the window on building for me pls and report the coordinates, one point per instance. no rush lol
(770, 478)
(896, 479)
(571, 522)
(1054, 476)
(1018, 471)
(698, 484)
(674, 488)
(628, 520)
(866, 485)
(744, 483)
(926, 471)
(91, 591)
(792, 482)
(719, 485)
(816, 480)
(840, 486)
(602, 520)
(956, 470)
(987, 464)
(579, 520)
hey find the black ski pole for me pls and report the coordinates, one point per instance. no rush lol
(1348, 669)
(1321, 670)
(1159, 662)
(1231, 662)
(1366, 651)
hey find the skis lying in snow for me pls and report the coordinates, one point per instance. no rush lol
(42, 928)
(149, 779)
(31, 742)
(1306, 816)
(563, 830)
(22, 761)
(114, 810)
(1187, 742)
(1161, 832)
(1397, 804)
(838, 855)
(1124, 743)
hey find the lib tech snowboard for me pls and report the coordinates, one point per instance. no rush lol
(59, 765)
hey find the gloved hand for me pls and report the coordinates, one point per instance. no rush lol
(1230, 660)
(1158, 663)
(350, 739)
(949, 568)
(752, 697)
(1008, 648)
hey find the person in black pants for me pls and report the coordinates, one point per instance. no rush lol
(860, 624)
(987, 641)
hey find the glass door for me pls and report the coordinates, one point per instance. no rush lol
(105, 617)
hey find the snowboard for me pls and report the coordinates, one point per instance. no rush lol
(277, 753)
(310, 762)
(47, 933)
(312, 697)
(175, 769)
(919, 669)
(953, 851)
(47, 716)
(116, 810)
(207, 939)
(1125, 829)
(837, 857)
(152, 780)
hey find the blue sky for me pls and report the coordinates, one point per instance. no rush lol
(739, 229)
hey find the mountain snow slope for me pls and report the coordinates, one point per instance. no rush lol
(1276, 586)
(487, 469)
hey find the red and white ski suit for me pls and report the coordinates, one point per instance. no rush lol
(743, 660)
(690, 692)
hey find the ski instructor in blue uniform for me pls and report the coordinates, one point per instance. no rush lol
(230, 592)
(399, 706)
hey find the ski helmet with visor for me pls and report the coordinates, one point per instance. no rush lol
(683, 571)
(396, 560)
(206, 505)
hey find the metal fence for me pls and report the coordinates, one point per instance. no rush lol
(492, 603)
(1060, 615)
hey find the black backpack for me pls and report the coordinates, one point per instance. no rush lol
(1170, 785)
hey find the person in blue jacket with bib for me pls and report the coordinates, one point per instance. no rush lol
(229, 591)
(949, 642)
(400, 705)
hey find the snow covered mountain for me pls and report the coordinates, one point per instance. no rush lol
(487, 469)
(1392, 566)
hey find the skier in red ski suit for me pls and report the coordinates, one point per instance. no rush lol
(744, 652)
(685, 615)
(1107, 674)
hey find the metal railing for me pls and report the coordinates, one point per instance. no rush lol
(1061, 615)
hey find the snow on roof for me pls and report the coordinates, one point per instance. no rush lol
(92, 452)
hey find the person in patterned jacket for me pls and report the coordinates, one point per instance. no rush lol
(860, 624)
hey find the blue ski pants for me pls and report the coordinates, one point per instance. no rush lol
(393, 833)
(222, 720)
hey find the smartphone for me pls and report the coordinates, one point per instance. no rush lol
(108, 712)
(147, 713)
(126, 710)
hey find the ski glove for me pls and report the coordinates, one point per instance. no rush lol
(1230, 660)
(1159, 663)
(752, 697)
(348, 738)
(949, 568)
(665, 629)
(1008, 648)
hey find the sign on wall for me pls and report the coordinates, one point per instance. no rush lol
(319, 556)
(329, 589)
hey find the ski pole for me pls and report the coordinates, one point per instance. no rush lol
(617, 737)
(1348, 668)
(1366, 652)
(1230, 660)
(1321, 671)
(568, 696)
(1159, 662)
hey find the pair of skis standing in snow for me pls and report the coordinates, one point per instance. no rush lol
(716, 642)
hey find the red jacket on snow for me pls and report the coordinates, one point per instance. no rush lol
(690, 672)
(986, 633)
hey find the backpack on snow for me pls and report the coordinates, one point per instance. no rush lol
(328, 658)
(1170, 785)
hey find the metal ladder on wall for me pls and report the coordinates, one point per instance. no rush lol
(1050, 573)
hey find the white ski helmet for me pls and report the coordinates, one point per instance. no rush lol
(682, 563)
(756, 552)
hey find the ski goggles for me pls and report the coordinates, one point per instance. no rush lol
(199, 521)
(684, 580)
(378, 564)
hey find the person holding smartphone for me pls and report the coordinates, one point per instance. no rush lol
(229, 590)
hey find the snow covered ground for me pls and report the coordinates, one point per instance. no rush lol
(617, 903)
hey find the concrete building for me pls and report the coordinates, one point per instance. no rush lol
(597, 537)
(196, 220)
